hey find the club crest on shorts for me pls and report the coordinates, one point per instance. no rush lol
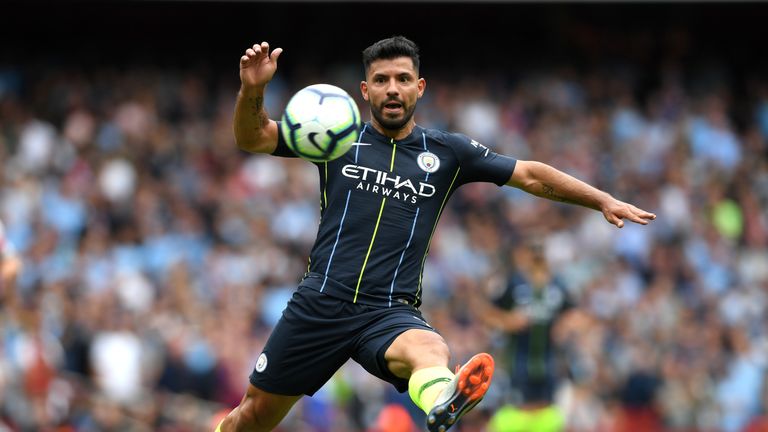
(428, 162)
(261, 363)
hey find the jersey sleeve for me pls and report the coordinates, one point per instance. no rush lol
(282, 149)
(481, 164)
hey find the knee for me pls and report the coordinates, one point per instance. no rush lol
(436, 347)
(427, 349)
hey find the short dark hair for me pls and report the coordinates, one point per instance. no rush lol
(390, 48)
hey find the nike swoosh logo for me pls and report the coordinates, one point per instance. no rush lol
(360, 144)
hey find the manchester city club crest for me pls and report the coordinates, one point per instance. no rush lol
(428, 162)
(261, 363)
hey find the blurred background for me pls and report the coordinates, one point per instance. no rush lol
(156, 256)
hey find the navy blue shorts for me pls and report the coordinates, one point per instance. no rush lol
(318, 333)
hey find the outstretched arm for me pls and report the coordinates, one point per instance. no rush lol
(254, 131)
(542, 180)
(513, 321)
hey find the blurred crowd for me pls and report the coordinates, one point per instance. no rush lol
(157, 256)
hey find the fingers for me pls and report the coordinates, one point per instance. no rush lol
(631, 213)
(252, 55)
(258, 52)
(639, 216)
(612, 218)
(646, 215)
(275, 54)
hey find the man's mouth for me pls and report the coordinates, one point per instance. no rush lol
(393, 106)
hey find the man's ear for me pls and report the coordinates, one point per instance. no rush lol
(364, 89)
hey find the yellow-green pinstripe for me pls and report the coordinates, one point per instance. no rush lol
(376, 228)
(429, 242)
(325, 187)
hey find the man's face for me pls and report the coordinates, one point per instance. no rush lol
(392, 88)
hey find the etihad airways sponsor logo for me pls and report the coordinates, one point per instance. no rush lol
(388, 184)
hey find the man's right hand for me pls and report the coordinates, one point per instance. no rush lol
(257, 66)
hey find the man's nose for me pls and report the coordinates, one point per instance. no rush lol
(392, 87)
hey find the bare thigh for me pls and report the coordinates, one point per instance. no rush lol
(416, 349)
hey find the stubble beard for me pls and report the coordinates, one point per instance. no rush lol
(391, 124)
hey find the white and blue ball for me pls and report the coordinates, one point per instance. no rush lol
(320, 122)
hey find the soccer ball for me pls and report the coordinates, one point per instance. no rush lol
(320, 122)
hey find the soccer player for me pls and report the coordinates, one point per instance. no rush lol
(529, 306)
(380, 204)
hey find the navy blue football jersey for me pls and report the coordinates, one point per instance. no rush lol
(380, 205)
